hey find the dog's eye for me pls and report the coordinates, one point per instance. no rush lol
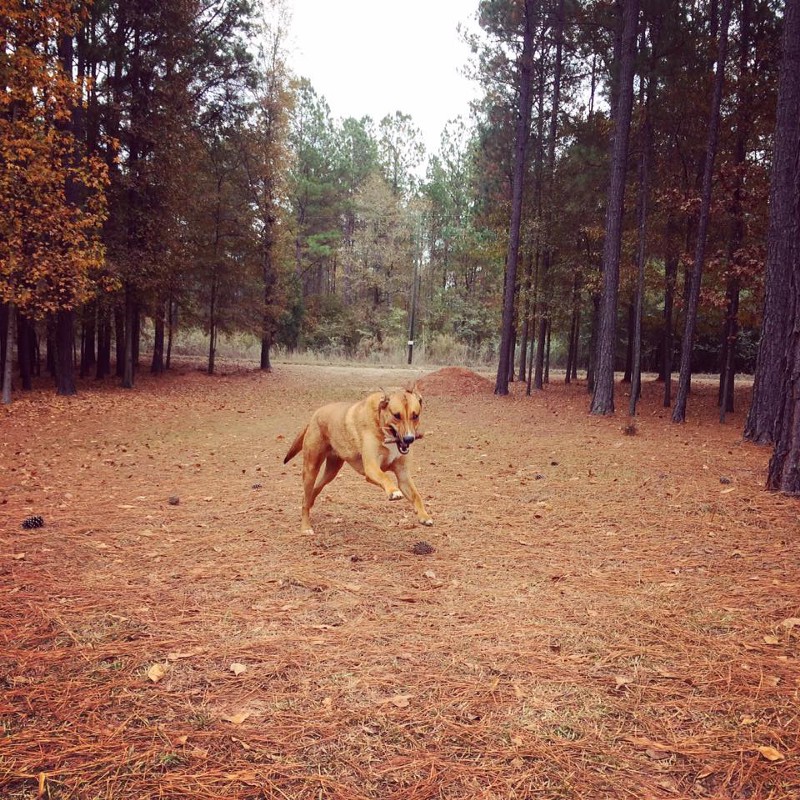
(415, 416)
(396, 416)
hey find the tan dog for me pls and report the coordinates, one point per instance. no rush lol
(373, 436)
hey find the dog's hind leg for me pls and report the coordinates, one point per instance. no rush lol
(312, 461)
(332, 466)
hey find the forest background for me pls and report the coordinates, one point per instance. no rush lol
(162, 172)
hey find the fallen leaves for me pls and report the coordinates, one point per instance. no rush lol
(770, 753)
(236, 718)
(398, 700)
(652, 748)
(177, 655)
(157, 672)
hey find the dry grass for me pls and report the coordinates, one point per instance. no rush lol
(602, 616)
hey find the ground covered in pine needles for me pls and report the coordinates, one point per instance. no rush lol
(607, 611)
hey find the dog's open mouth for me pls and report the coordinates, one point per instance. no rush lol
(394, 438)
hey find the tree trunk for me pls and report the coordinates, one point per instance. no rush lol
(784, 240)
(269, 278)
(172, 312)
(3, 329)
(266, 346)
(728, 371)
(136, 336)
(603, 396)
(641, 249)
(577, 325)
(572, 350)
(127, 360)
(25, 333)
(541, 336)
(88, 339)
(505, 364)
(119, 338)
(8, 352)
(547, 353)
(157, 363)
(693, 300)
(64, 343)
(548, 255)
(762, 425)
(50, 344)
(591, 360)
(212, 326)
(522, 374)
(670, 281)
(103, 369)
(626, 376)
(512, 350)
(534, 317)
(730, 331)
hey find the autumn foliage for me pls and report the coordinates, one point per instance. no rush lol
(51, 189)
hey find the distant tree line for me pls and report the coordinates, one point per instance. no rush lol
(614, 202)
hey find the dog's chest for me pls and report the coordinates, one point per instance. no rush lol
(391, 456)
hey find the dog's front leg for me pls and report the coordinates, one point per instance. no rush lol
(374, 474)
(409, 489)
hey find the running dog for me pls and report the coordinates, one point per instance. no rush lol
(373, 436)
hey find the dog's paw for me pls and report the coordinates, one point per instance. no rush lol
(396, 495)
(306, 531)
(427, 521)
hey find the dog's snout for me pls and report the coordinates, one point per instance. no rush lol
(408, 438)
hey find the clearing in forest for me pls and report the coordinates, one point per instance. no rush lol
(606, 612)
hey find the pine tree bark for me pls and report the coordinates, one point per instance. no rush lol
(603, 395)
(128, 357)
(671, 259)
(784, 241)
(641, 251)
(88, 339)
(730, 331)
(505, 363)
(8, 352)
(548, 255)
(25, 333)
(157, 363)
(65, 317)
(762, 425)
(103, 369)
(693, 299)
(64, 362)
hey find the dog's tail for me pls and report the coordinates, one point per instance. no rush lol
(296, 446)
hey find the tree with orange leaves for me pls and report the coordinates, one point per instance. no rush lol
(52, 200)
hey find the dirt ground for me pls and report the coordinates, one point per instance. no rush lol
(606, 613)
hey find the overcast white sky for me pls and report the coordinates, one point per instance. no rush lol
(376, 57)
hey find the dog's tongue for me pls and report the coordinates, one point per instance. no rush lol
(403, 448)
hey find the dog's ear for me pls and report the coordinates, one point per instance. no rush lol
(412, 389)
(384, 401)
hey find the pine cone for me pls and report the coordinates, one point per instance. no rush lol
(33, 522)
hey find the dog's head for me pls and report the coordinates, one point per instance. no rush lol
(399, 414)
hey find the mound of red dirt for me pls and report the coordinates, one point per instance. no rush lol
(454, 380)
